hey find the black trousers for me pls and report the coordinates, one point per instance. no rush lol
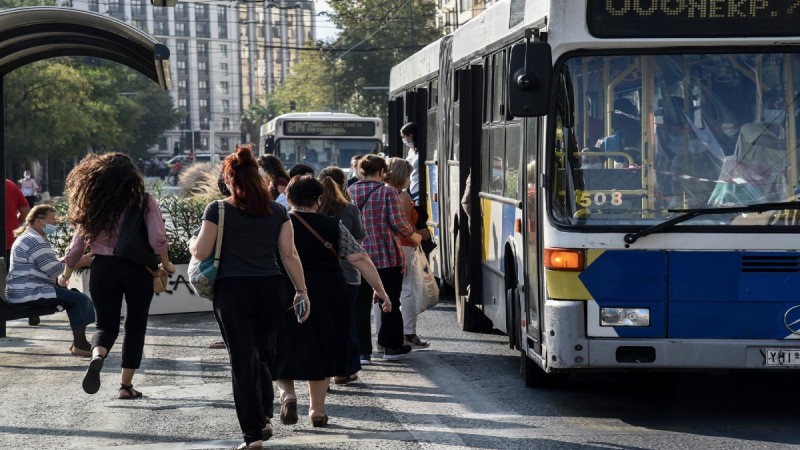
(391, 333)
(248, 310)
(112, 279)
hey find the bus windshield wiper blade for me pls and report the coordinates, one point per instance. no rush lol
(688, 214)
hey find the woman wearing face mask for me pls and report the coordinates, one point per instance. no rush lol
(35, 269)
(29, 188)
(409, 135)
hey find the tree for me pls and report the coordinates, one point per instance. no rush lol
(253, 117)
(376, 35)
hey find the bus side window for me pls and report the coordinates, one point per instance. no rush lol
(269, 145)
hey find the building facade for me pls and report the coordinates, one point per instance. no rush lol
(225, 56)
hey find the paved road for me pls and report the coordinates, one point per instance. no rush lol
(464, 392)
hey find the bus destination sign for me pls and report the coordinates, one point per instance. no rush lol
(328, 128)
(692, 18)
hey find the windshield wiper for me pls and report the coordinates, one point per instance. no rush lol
(689, 214)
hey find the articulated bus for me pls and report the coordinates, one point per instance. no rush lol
(613, 184)
(320, 139)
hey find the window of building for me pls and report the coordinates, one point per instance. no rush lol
(200, 12)
(181, 11)
(225, 87)
(223, 31)
(181, 65)
(137, 7)
(225, 144)
(181, 29)
(202, 48)
(94, 5)
(140, 24)
(223, 50)
(202, 30)
(202, 84)
(222, 13)
(181, 84)
(180, 46)
(161, 27)
(202, 66)
(226, 106)
(182, 102)
(226, 123)
(203, 102)
(224, 68)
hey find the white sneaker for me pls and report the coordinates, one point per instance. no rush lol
(365, 360)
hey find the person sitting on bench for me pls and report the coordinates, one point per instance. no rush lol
(34, 271)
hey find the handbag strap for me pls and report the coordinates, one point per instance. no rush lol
(327, 244)
(218, 245)
(366, 199)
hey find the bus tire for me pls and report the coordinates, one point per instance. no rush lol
(535, 377)
(470, 318)
(512, 319)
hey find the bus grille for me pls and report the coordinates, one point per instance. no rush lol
(772, 264)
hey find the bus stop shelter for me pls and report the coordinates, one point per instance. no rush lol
(32, 34)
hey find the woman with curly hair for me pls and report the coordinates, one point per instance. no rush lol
(250, 296)
(100, 189)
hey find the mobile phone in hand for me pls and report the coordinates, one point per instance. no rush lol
(300, 310)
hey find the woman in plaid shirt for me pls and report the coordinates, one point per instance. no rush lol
(383, 220)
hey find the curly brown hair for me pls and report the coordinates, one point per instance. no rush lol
(99, 189)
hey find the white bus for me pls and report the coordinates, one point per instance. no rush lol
(634, 177)
(320, 139)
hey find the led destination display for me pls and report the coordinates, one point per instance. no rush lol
(693, 18)
(328, 128)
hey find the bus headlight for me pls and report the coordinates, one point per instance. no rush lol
(624, 317)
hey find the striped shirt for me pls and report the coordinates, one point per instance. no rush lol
(383, 220)
(34, 269)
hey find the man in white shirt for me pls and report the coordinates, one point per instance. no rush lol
(409, 135)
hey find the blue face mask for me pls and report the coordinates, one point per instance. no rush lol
(49, 229)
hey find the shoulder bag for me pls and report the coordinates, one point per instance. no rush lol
(132, 243)
(203, 273)
(426, 286)
(325, 243)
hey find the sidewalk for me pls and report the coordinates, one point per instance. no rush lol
(188, 402)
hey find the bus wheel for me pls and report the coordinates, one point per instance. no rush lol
(512, 319)
(535, 377)
(470, 318)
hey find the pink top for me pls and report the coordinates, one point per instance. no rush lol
(104, 244)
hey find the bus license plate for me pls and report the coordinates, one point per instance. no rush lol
(782, 357)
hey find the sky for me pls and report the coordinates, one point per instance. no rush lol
(326, 31)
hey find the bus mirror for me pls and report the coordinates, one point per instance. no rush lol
(529, 79)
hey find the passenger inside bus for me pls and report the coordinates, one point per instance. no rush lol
(756, 172)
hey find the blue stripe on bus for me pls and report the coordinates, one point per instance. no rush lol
(507, 230)
(632, 279)
(699, 295)
(732, 295)
(433, 187)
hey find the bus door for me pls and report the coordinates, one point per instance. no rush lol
(429, 182)
(394, 140)
(532, 297)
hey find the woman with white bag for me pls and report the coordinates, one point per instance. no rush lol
(399, 177)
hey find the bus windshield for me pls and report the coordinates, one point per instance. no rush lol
(321, 153)
(639, 137)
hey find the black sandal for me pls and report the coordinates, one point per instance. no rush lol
(129, 389)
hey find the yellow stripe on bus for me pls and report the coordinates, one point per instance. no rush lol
(486, 215)
(563, 285)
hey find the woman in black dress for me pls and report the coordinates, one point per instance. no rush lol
(316, 350)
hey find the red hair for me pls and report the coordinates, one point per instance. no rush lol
(249, 191)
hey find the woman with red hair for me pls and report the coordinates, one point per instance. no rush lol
(249, 293)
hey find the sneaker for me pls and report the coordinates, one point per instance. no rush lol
(416, 343)
(366, 360)
(397, 353)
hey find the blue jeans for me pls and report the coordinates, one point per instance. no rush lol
(78, 305)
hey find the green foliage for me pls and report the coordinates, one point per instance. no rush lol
(61, 107)
(376, 35)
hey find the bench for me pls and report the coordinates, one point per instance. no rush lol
(10, 311)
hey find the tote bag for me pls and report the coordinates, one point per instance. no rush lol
(427, 287)
(203, 273)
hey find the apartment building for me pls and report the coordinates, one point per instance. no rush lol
(225, 56)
